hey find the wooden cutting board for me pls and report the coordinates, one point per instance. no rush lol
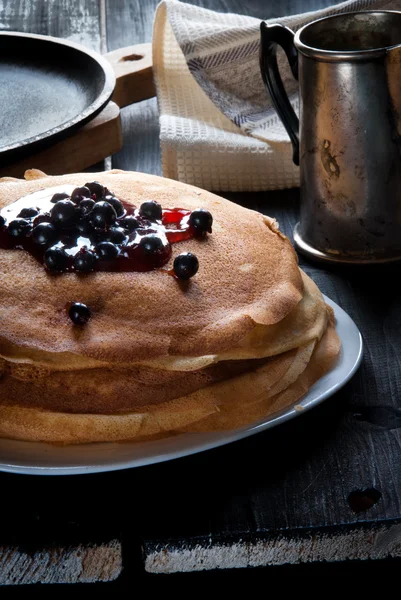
(102, 136)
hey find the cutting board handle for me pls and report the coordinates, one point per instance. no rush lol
(134, 74)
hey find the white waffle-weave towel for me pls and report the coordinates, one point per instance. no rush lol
(218, 129)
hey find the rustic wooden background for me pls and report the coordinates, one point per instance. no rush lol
(324, 487)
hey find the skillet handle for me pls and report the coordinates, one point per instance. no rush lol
(134, 74)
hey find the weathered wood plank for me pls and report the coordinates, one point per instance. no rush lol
(60, 529)
(75, 564)
(130, 22)
(78, 20)
(354, 544)
(140, 125)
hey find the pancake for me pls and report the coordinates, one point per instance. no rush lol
(211, 410)
(247, 335)
(306, 322)
(107, 391)
(248, 275)
(244, 411)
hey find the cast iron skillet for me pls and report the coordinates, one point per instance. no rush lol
(48, 87)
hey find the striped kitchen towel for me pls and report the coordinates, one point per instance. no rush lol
(218, 129)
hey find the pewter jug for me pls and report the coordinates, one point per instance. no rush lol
(347, 140)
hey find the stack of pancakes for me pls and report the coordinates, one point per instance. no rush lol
(247, 336)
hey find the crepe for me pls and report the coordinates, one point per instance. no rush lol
(227, 405)
(144, 315)
(248, 335)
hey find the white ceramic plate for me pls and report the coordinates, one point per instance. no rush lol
(44, 459)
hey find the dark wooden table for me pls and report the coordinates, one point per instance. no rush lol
(325, 487)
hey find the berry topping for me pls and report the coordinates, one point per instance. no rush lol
(87, 228)
(129, 223)
(85, 261)
(117, 235)
(151, 244)
(86, 206)
(201, 220)
(44, 234)
(28, 213)
(116, 204)
(186, 265)
(96, 188)
(79, 193)
(63, 213)
(79, 313)
(106, 251)
(19, 228)
(55, 259)
(151, 210)
(59, 196)
(103, 215)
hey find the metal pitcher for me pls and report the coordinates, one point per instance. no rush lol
(347, 140)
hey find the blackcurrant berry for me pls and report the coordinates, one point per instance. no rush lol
(79, 193)
(86, 206)
(95, 188)
(55, 259)
(186, 265)
(151, 244)
(64, 213)
(27, 213)
(103, 215)
(79, 313)
(117, 235)
(106, 251)
(59, 196)
(201, 220)
(19, 228)
(116, 204)
(44, 234)
(129, 223)
(84, 262)
(151, 210)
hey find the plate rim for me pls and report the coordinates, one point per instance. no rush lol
(217, 438)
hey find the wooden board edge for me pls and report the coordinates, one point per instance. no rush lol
(374, 542)
(90, 144)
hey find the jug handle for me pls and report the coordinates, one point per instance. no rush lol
(272, 36)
